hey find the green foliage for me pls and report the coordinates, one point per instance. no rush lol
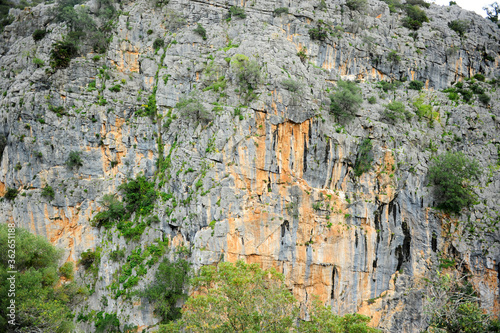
(191, 107)
(372, 99)
(280, 10)
(466, 94)
(168, 288)
(415, 17)
(386, 86)
(117, 255)
(425, 110)
(115, 88)
(62, 53)
(459, 26)
(395, 111)
(5, 18)
(67, 270)
(356, 4)
(39, 34)
(484, 98)
(41, 305)
(322, 5)
(10, 194)
(74, 160)
(452, 173)
(319, 33)
(105, 322)
(113, 211)
(480, 77)
(242, 297)
(3, 144)
(492, 11)
(393, 57)
(248, 73)
(416, 85)
(48, 192)
(292, 85)
(158, 43)
(393, 5)
(201, 31)
(454, 305)
(345, 101)
(38, 62)
(90, 259)
(219, 84)
(239, 12)
(364, 159)
(139, 195)
(418, 3)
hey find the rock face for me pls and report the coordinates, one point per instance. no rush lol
(271, 182)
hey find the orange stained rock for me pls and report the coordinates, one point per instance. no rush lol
(2, 189)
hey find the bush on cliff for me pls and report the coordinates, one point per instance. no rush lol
(345, 101)
(452, 174)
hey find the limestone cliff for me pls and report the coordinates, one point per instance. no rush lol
(270, 182)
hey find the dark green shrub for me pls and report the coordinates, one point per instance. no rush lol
(485, 99)
(3, 144)
(11, 194)
(416, 85)
(280, 10)
(418, 3)
(393, 5)
(318, 33)
(480, 77)
(149, 32)
(62, 53)
(115, 88)
(372, 99)
(356, 4)
(168, 288)
(74, 160)
(48, 192)
(452, 174)
(90, 260)
(364, 159)
(393, 57)
(386, 86)
(139, 195)
(105, 322)
(415, 17)
(117, 255)
(459, 26)
(453, 3)
(248, 73)
(477, 89)
(191, 107)
(113, 211)
(466, 94)
(158, 43)
(492, 11)
(67, 270)
(201, 31)
(39, 34)
(395, 111)
(239, 12)
(38, 62)
(345, 101)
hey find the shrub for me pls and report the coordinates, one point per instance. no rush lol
(452, 174)
(39, 34)
(418, 3)
(292, 85)
(393, 5)
(105, 322)
(38, 62)
(11, 194)
(485, 99)
(139, 195)
(492, 11)
(67, 270)
(149, 32)
(356, 4)
(191, 107)
(117, 255)
(62, 53)
(372, 99)
(459, 26)
(364, 159)
(322, 5)
(386, 86)
(158, 43)
(480, 77)
(3, 144)
(425, 110)
(396, 110)
(115, 88)
(477, 89)
(113, 211)
(74, 160)
(48, 192)
(466, 94)
(168, 288)
(248, 73)
(201, 31)
(345, 101)
(416, 85)
(393, 57)
(280, 10)
(415, 17)
(318, 33)
(239, 12)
